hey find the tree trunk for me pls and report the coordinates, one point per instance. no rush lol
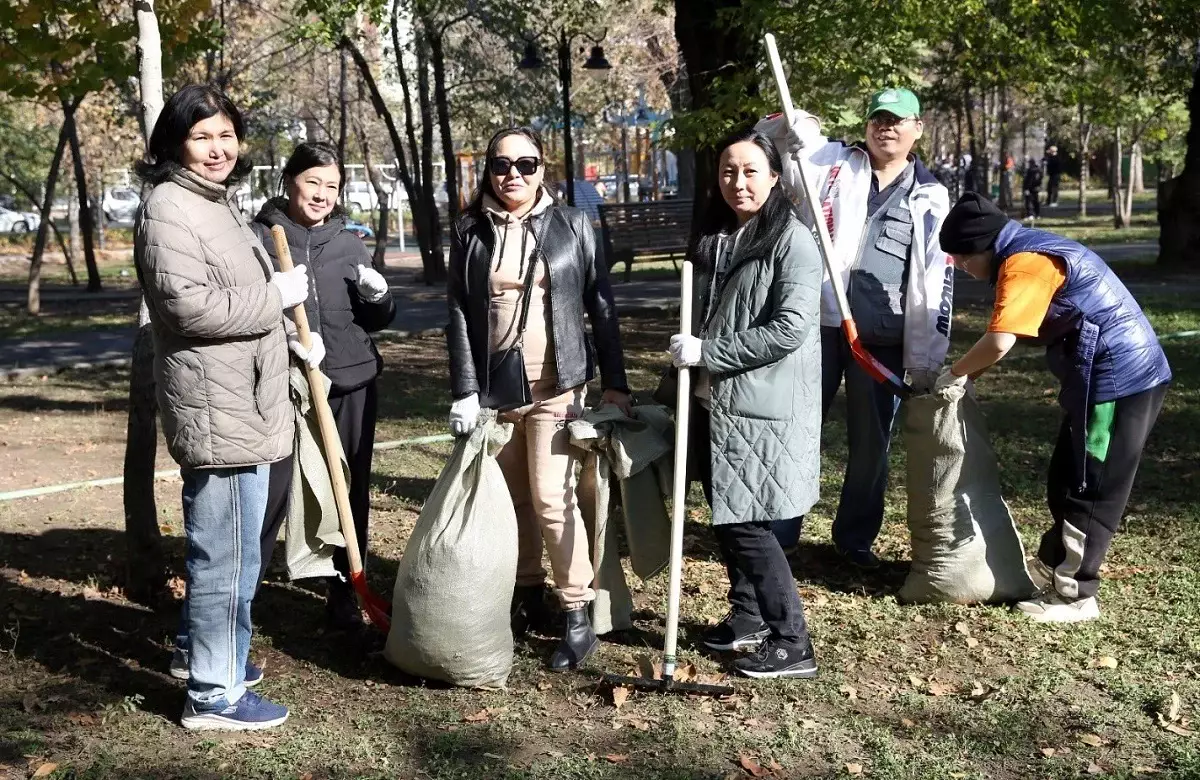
(1006, 172)
(985, 144)
(145, 562)
(434, 262)
(1137, 176)
(433, 259)
(85, 211)
(1114, 181)
(342, 101)
(381, 195)
(437, 57)
(1179, 198)
(712, 51)
(76, 234)
(1085, 142)
(34, 302)
(972, 144)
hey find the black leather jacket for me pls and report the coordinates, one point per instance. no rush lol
(578, 285)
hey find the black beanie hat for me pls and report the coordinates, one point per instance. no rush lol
(971, 226)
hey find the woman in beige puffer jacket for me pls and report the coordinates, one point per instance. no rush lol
(220, 365)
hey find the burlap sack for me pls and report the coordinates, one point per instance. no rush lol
(454, 585)
(965, 548)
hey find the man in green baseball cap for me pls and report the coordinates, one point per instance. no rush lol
(883, 208)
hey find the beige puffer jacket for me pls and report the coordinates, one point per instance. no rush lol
(220, 353)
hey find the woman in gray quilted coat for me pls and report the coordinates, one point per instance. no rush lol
(756, 427)
(220, 366)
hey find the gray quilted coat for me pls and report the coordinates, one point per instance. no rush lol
(220, 353)
(762, 347)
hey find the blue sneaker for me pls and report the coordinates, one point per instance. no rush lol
(251, 713)
(180, 668)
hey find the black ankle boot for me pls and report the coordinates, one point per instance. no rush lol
(529, 609)
(579, 642)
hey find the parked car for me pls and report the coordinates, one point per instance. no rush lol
(18, 222)
(120, 204)
(359, 229)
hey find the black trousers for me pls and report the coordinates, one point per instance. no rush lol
(760, 578)
(1085, 521)
(1032, 206)
(354, 413)
(1052, 189)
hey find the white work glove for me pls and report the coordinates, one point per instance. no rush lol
(463, 414)
(686, 350)
(803, 132)
(292, 285)
(312, 356)
(948, 379)
(371, 284)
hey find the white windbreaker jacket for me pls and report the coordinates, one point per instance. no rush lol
(842, 176)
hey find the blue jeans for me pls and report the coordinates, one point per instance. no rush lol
(870, 411)
(222, 516)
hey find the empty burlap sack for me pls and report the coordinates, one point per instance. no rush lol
(965, 548)
(454, 585)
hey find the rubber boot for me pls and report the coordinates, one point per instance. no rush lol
(579, 642)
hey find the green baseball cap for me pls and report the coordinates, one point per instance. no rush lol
(900, 102)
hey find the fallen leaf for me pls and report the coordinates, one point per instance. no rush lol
(1103, 662)
(906, 723)
(649, 668)
(752, 766)
(306, 776)
(685, 673)
(962, 628)
(616, 758)
(82, 718)
(750, 722)
(854, 769)
(555, 753)
(808, 724)
(45, 770)
(620, 695)
(1173, 706)
(977, 689)
(1145, 770)
(1048, 752)
(1175, 728)
(972, 642)
(774, 766)
(1092, 740)
(850, 691)
(484, 715)
(937, 688)
(1094, 769)
(545, 685)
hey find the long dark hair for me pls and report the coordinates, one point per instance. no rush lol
(310, 154)
(764, 229)
(475, 207)
(191, 104)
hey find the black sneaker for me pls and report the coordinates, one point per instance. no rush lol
(736, 631)
(776, 660)
(341, 608)
(529, 611)
(862, 559)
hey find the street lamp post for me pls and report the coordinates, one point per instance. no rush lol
(595, 61)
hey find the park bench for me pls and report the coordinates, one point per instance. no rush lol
(658, 229)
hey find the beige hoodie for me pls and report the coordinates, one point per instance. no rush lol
(514, 250)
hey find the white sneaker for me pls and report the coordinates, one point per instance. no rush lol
(1050, 607)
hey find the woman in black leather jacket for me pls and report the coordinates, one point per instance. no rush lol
(524, 273)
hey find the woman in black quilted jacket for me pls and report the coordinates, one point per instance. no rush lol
(349, 301)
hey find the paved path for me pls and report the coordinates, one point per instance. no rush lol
(420, 308)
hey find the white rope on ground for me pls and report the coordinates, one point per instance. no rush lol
(12, 495)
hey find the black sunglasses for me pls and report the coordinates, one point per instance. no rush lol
(526, 166)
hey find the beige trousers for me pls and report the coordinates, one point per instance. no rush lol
(540, 468)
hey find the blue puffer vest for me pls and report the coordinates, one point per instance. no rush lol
(1098, 342)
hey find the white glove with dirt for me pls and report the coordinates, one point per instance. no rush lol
(686, 350)
(949, 379)
(463, 415)
(292, 286)
(371, 284)
(312, 356)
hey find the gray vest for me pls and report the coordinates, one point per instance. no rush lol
(879, 279)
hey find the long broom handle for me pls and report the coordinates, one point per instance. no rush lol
(810, 194)
(329, 435)
(680, 487)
